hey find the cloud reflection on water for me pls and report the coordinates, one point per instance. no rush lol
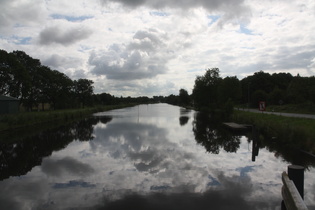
(66, 165)
(142, 162)
(231, 194)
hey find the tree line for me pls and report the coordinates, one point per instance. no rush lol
(25, 78)
(213, 92)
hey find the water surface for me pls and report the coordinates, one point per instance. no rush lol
(145, 157)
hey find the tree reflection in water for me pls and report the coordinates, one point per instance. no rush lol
(283, 146)
(18, 158)
(184, 116)
(212, 136)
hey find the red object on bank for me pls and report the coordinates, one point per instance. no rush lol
(262, 106)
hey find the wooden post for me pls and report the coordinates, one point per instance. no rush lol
(296, 174)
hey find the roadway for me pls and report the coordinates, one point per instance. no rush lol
(310, 116)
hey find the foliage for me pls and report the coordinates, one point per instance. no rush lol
(230, 89)
(277, 89)
(259, 95)
(184, 97)
(25, 78)
(83, 90)
(213, 94)
(205, 92)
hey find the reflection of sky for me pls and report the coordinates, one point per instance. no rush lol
(144, 158)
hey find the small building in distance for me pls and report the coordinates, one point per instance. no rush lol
(9, 105)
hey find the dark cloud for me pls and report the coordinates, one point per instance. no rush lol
(66, 165)
(56, 35)
(145, 57)
(159, 4)
(231, 8)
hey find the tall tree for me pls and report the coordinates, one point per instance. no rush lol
(14, 80)
(83, 90)
(184, 97)
(230, 88)
(32, 66)
(205, 91)
(57, 90)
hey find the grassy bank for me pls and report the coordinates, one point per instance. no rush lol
(30, 119)
(306, 108)
(299, 132)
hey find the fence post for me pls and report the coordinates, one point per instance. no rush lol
(296, 174)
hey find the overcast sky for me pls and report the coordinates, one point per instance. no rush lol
(156, 47)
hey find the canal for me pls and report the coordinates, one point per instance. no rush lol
(147, 157)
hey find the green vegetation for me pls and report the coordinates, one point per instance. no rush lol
(304, 108)
(281, 92)
(29, 119)
(299, 132)
(216, 95)
(35, 85)
(279, 89)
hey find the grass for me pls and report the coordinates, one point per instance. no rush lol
(299, 132)
(30, 119)
(306, 108)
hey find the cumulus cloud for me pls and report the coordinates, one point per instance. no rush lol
(57, 61)
(58, 35)
(67, 64)
(18, 12)
(240, 37)
(145, 57)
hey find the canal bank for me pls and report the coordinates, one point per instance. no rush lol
(24, 120)
(282, 129)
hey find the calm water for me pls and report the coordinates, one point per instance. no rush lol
(145, 157)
